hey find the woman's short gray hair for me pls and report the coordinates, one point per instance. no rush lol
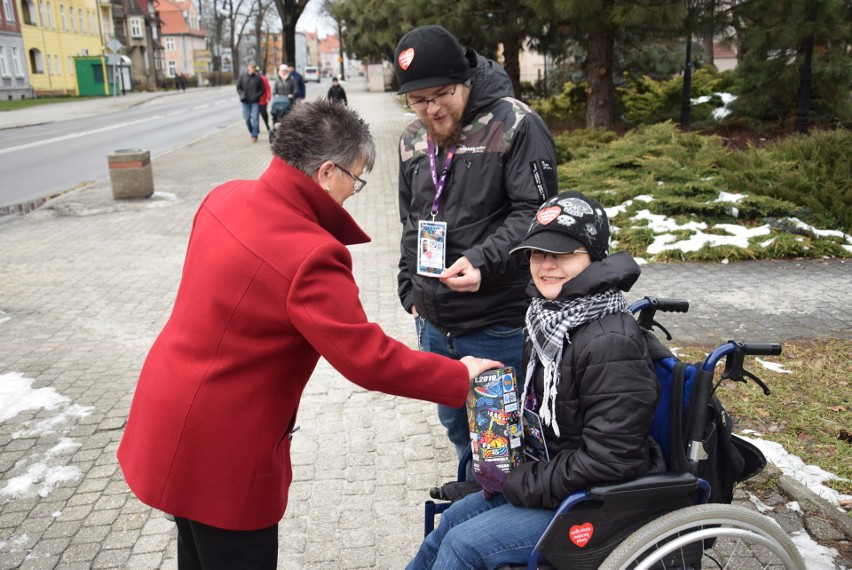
(312, 133)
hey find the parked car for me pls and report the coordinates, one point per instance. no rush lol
(312, 74)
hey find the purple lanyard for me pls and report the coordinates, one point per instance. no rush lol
(436, 180)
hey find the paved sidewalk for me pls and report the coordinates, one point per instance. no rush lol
(87, 283)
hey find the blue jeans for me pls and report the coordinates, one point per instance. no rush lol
(481, 533)
(505, 344)
(251, 113)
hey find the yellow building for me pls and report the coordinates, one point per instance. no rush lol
(55, 32)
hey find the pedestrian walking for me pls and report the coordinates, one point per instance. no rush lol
(475, 164)
(298, 84)
(250, 89)
(264, 101)
(336, 92)
(267, 289)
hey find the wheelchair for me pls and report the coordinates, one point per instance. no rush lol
(658, 520)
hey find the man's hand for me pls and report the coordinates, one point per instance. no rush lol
(461, 276)
(476, 366)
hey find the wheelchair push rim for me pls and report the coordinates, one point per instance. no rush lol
(738, 534)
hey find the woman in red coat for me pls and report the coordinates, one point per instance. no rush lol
(267, 289)
(264, 101)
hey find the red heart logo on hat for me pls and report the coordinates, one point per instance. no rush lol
(547, 215)
(581, 534)
(405, 58)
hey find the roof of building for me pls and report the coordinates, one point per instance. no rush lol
(173, 21)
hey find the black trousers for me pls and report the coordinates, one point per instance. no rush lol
(264, 116)
(204, 547)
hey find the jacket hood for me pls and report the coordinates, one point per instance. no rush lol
(619, 271)
(490, 82)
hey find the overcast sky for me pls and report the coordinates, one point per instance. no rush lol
(312, 20)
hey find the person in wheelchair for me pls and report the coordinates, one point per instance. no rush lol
(590, 378)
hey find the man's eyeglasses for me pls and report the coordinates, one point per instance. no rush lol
(359, 183)
(437, 100)
(537, 256)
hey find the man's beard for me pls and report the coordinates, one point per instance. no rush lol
(446, 138)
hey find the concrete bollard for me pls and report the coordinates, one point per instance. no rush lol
(130, 173)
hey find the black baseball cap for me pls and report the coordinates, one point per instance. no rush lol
(567, 222)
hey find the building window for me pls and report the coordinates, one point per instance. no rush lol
(62, 16)
(80, 17)
(42, 15)
(16, 61)
(28, 12)
(136, 27)
(91, 17)
(71, 17)
(36, 61)
(172, 69)
(7, 8)
(50, 18)
(4, 68)
(57, 65)
(170, 44)
(70, 66)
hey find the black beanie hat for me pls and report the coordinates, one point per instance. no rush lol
(429, 56)
(566, 222)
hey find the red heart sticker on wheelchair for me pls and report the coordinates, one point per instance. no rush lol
(581, 534)
(405, 58)
(547, 215)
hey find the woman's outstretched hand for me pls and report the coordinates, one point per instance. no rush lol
(476, 366)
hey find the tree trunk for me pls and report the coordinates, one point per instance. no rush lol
(511, 62)
(599, 107)
(803, 101)
(707, 44)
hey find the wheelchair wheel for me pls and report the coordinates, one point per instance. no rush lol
(707, 536)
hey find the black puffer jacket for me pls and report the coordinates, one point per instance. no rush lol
(503, 170)
(605, 400)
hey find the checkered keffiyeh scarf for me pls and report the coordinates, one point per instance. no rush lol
(548, 325)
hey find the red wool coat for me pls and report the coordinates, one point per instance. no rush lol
(267, 289)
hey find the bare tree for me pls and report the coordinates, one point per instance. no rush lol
(289, 11)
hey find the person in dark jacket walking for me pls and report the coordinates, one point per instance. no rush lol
(298, 84)
(336, 92)
(589, 377)
(475, 165)
(250, 88)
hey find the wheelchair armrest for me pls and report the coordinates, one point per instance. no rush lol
(650, 484)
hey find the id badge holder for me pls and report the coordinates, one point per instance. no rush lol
(431, 248)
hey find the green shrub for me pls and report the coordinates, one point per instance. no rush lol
(684, 175)
(566, 110)
(812, 171)
(648, 101)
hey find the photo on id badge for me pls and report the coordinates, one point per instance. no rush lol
(432, 248)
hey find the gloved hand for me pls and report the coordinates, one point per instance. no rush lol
(490, 477)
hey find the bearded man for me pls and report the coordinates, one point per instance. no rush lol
(475, 165)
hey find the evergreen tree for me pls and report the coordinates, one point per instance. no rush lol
(596, 25)
(775, 39)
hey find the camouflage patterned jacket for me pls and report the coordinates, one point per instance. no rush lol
(503, 170)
